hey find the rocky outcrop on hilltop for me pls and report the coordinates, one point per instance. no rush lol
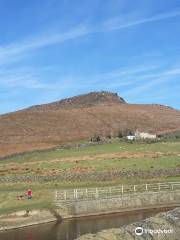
(82, 101)
(164, 226)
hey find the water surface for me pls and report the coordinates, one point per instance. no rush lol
(71, 229)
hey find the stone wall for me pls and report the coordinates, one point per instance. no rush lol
(123, 203)
(93, 176)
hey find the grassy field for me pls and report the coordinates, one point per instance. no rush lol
(107, 157)
(170, 146)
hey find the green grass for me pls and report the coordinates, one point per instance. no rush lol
(118, 164)
(134, 163)
(104, 164)
(8, 200)
(41, 163)
(34, 163)
(91, 150)
(43, 192)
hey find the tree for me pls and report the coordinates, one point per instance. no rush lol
(95, 138)
(120, 134)
(98, 139)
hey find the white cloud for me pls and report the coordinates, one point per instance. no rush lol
(31, 78)
(120, 23)
(152, 81)
(16, 51)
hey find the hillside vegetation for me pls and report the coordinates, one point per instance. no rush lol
(80, 118)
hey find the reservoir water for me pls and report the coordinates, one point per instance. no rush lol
(73, 228)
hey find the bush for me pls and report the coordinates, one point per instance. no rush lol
(109, 136)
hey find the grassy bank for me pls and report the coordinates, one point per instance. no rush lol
(43, 194)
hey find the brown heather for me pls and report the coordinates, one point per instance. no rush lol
(80, 118)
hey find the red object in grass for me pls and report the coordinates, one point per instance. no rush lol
(29, 193)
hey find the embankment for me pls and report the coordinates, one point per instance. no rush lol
(63, 210)
(122, 203)
(22, 219)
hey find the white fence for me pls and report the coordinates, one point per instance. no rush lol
(110, 192)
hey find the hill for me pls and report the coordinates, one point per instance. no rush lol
(81, 101)
(78, 118)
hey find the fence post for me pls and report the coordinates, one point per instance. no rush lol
(97, 193)
(110, 191)
(146, 187)
(134, 188)
(56, 195)
(172, 186)
(75, 194)
(86, 192)
(65, 195)
(122, 189)
(159, 187)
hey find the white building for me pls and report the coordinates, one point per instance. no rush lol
(144, 135)
(131, 137)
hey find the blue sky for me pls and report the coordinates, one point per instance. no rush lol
(53, 49)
